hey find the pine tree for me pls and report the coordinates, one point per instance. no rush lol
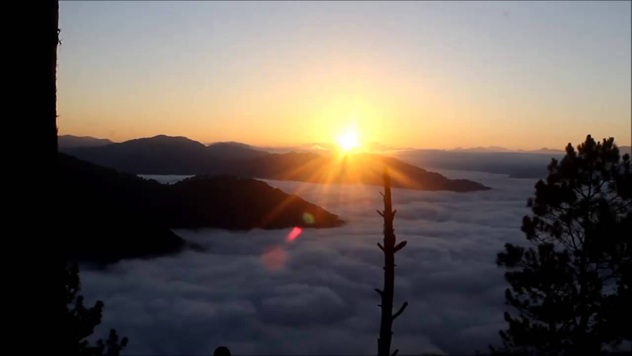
(81, 321)
(572, 290)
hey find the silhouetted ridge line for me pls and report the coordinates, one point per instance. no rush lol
(181, 156)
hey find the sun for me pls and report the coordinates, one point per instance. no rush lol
(348, 141)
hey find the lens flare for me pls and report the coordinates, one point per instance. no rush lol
(274, 258)
(294, 234)
(308, 218)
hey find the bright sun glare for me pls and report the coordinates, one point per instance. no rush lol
(348, 141)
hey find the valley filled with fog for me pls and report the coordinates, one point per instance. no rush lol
(265, 292)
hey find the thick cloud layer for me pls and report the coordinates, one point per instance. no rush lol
(260, 293)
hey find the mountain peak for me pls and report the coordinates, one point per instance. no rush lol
(163, 140)
(67, 141)
(230, 144)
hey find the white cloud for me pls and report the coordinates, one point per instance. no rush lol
(258, 294)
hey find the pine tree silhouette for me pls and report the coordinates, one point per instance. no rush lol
(81, 321)
(572, 291)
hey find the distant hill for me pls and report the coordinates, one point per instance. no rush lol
(522, 164)
(233, 151)
(496, 149)
(482, 149)
(109, 215)
(154, 155)
(547, 150)
(514, 164)
(182, 156)
(67, 141)
(353, 169)
(165, 155)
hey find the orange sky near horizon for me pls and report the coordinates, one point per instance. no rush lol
(280, 74)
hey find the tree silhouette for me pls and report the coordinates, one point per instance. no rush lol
(36, 279)
(81, 321)
(387, 293)
(572, 290)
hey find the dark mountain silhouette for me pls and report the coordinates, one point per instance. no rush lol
(234, 203)
(182, 156)
(67, 141)
(233, 151)
(156, 155)
(108, 215)
(481, 149)
(353, 168)
(547, 150)
(164, 155)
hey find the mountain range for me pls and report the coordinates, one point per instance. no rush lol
(179, 155)
(107, 215)
(66, 141)
(532, 164)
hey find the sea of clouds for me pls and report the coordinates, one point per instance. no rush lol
(259, 292)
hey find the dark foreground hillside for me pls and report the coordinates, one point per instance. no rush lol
(233, 203)
(107, 215)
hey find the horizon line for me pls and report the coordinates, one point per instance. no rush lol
(329, 146)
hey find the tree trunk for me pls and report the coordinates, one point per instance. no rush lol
(388, 292)
(36, 271)
(40, 201)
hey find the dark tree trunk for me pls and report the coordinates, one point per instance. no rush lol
(46, 132)
(35, 267)
(36, 205)
(388, 292)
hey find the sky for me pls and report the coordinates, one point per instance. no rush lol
(522, 75)
(260, 294)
